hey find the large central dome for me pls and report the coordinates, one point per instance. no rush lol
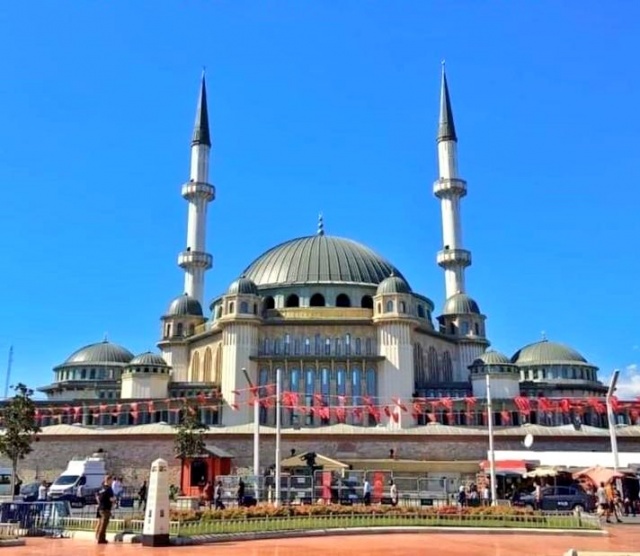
(319, 259)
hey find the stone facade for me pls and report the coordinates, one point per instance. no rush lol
(132, 456)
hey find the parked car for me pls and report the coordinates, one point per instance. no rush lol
(559, 499)
(29, 492)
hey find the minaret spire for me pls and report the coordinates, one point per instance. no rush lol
(450, 189)
(198, 192)
(320, 225)
(446, 126)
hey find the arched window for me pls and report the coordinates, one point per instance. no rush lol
(403, 307)
(420, 375)
(358, 346)
(372, 383)
(368, 346)
(295, 380)
(343, 300)
(269, 303)
(277, 346)
(219, 311)
(325, 386)
(218, 365)
(287, 344)
(307, 346)
(263, 379)
(341, 376)
(433, 371)
(292, 301)
(347, 344)
(337, 349)
(317, 300)
(309, 390)
(167, 331)
(255, 308)
(447, 367)
(477, 327)
(195, 367)
(356, 388)
(179, 329)
(244, 307)
(206, 366)
(379, 307)
(232, 307)
(318, 345)
(267, 346)
(296, 346)
(327, 346)
(389, 307)
(420, 311)
(366, 302)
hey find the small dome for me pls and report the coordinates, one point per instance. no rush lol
(393, 284)
(104, 353)
(545, 353)
(491, 358)
(148, 359)
(460, 304)
(184, 306)
(242, 286)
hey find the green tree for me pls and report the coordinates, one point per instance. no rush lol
(189, 441)
(20, 428)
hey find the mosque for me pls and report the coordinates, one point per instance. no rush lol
(353, 342)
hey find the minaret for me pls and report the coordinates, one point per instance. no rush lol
(199, 193)
(449, 188)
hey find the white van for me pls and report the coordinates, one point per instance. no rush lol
(88, 472)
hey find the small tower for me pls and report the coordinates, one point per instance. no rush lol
(393, 316)
(146, 377)
(199, 193)
(240, 323)
(181, 320)
(450, 189)
(505, 376)
(461, 318)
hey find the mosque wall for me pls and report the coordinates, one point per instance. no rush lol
(437, 360)
(131, 456)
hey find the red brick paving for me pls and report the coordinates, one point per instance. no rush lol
(625, 537)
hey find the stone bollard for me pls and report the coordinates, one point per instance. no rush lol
(155, 531)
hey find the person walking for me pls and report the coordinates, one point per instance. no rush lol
(366, 492)
(393, 492)
(240, 493)
(217, 496)
(105, 499)
(142, 496)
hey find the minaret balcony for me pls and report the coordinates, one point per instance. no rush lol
(448, 187)
(454, 257)
(197, 259)
(198, 190)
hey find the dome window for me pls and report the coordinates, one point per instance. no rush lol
(232, 307)
(244, 307)
(343, 300)
(403, 307)
(317, 300)
(420, 311)
(219, 311)
(292, 301)
(366, 302)
(269, 303)
(179, 329)
(389, 307)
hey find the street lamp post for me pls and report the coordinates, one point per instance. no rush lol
(278, 431)
(256, 434)
(492, 453)
(612, 420)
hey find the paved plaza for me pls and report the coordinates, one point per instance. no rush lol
(622, 538)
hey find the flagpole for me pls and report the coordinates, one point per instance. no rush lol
(278, 432)
(492, 453)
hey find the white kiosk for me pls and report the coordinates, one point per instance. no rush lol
(155, 531)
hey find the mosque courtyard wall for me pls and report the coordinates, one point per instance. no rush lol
(132, 455)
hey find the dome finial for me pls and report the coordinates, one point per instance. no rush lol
(105, 338)
(544, 336)
(320, 225)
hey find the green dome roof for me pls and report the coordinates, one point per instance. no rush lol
(183, 306)
(242, 286)
(319, 259)
(103, 353)
(149, 359)
(491, 358)
(460, 304)
(546, 353)
(393, 284)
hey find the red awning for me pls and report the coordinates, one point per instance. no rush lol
(516, 467)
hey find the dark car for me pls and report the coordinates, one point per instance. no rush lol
(559, 499)
(29, 492)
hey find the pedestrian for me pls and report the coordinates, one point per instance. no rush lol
(393, 492)
(240, 493)
(142, 496)
(366, 492)
(42, 491)
(217, 496)
(105, 499)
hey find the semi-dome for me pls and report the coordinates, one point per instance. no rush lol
(319, 259)
(460, 304)
(547, 353)
(242, 286)
(491, 358)
(393, 284)
(102, 353)
(184, 306)
(148, 359)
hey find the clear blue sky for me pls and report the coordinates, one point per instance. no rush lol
(318, 106)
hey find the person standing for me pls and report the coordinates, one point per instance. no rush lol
(240, 493)
(116, 486)
(105, 499)
(393, 492)
(366, 492)
(42, 491)
(142, 496)
(217, 496)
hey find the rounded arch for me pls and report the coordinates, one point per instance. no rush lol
(217, 372)
(366, 302)
(195, 367)
(317, 300)
(447, 367)
(343, 300)
(206, 366)
(269, 302)
(420, 375)
(292, 301)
